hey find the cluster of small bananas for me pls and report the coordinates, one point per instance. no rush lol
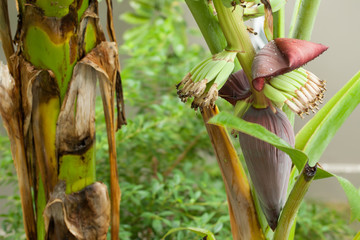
(205, 79)
(301, 90)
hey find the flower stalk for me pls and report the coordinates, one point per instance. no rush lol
(279, 23)
(237, 37)
(304, 17)
(292, 205)
(208, 25)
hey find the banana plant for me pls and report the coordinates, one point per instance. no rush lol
(270, 82)
(47, 92)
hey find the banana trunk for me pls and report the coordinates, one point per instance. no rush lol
(62, 53)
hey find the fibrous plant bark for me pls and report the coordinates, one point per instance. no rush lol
(48, 107)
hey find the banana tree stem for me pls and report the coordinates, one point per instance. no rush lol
(304, 16)
(208, 25)
(292, 205)
(279, 23)
(232, 24)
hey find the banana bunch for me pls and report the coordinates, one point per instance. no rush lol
(301, 90)
(205, 79)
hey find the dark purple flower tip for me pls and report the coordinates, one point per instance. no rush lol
(282, 55)
(236, 88)
(269, 168)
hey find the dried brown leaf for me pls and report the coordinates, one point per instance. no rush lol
(104, 60)
(110, 22)
(5, 33)
(28, 74)
(237, 187)
(90, 17)
(76, 122)
(268, 24)
(8, 94)
(83, 215)
(12, 119)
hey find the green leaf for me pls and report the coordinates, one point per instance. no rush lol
(199, 231)
(157, 225)
(353, 196)
(320, 174)
(315, 136)
(357, 237)
(225, 119)
(298, 157)
(133, 18)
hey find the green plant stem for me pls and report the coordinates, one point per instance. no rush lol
(292, 205)
(208, 25)
(294, 17)
(279, 23)
(303, 20)
(301, 27)
(237, 37)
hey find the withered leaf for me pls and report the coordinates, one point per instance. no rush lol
(8, 94)
(28, 74)
(13, 122)
(104, 60)
(5, 33)
(83, 215)
(268, 23)
(110, 22)
(76, 122)
(90, 17)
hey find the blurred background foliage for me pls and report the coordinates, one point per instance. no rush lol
(168, 174)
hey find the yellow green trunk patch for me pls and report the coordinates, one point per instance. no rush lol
(77, 170)
(45, 54)
(90, 37)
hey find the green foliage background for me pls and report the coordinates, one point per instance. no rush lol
(168, 174)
